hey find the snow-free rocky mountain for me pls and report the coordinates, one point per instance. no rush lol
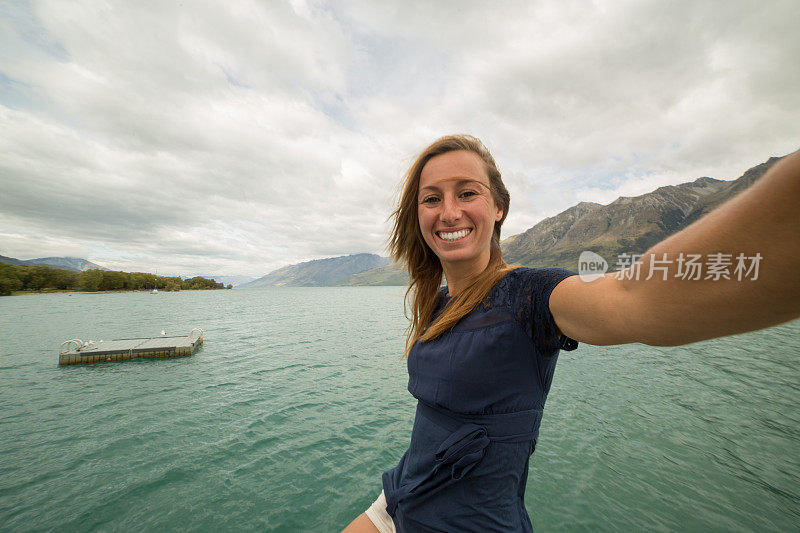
(626, 225)
(65, 263)
(320, 272)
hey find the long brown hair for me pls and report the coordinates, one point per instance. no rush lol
(407, 246)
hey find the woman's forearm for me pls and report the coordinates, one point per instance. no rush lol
(753, 240)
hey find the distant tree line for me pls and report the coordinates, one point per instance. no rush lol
(38, 278)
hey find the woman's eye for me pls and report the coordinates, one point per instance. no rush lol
(468, 194)
(430, 200)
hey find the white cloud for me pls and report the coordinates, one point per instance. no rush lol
(240, 137)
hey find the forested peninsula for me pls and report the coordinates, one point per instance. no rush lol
(36, 278)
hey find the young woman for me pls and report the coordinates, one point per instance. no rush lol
(481, 351)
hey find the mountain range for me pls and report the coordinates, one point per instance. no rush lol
(235, 281)
(65, 263)
(626, 225)
(319, 272)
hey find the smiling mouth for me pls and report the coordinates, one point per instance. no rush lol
(453, 235)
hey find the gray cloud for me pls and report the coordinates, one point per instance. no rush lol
(237, 138)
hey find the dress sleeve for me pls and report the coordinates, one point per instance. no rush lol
(532, 308)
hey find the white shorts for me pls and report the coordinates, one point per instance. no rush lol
(377, 513)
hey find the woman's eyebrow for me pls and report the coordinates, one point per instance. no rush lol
(459, 181)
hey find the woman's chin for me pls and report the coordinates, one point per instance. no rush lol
(457, 256)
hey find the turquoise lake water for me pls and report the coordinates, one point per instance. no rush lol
(296, 403)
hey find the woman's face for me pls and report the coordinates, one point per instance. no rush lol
(456, 211)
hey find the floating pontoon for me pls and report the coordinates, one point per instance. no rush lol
(76, 351)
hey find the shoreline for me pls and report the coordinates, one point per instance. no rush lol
(59, 291)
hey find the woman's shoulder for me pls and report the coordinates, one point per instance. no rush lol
(539, 275)
(529, 282)
(522, 274)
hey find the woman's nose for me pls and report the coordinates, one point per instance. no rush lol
(450, 210)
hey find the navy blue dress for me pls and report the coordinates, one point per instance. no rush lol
(481, 389)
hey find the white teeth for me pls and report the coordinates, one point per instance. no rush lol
(454, 235)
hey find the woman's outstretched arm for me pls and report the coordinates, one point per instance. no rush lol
(757, 229)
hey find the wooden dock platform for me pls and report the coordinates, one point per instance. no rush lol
(76, 351)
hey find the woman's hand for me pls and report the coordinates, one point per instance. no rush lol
(667, 309)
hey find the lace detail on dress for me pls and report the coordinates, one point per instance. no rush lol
(531, 307)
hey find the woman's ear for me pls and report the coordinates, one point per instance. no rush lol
(499, 216)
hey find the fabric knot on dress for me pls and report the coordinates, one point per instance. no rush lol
(462, 450)
(457, 454)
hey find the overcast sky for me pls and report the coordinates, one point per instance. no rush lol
(238, 137)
